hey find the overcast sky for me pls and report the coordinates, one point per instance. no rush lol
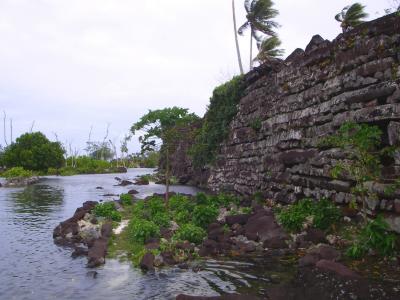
(72, 64)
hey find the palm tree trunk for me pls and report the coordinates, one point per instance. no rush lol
(251, 51)
(236, 38)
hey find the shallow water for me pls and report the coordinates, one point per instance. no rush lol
(32, 267)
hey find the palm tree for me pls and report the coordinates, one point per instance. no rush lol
(236, 38)
(269, 49)
(351, 16)
(259, 19)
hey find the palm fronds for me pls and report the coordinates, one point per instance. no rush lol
(269, 49)
(351, 16)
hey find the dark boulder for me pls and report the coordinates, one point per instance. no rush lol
(315, 236)
(133, 192)
(99, 188)
(141, 181)
(237, 219)
(263, 227)
(106, 230)
(147, 262)
(125, 183)
(337, 268)
(79, 251)
(97, 253)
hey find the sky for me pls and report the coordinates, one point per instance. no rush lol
(69, 65)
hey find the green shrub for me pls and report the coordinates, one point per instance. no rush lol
(140, 230)
(323, 214)
(162, 219)
(139, 210)
(52, 171)
(182, 217)
(374, 236)
(203, 215)
(33, 151)
(126, 199)
(17, 172)
(225, 200)
(202, 199)
(107, 210)
(191, 233)
(180, 203)
(156, 205)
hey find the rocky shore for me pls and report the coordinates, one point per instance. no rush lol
(83, 233)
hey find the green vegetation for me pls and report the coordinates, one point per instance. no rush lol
(351, 16)
(220, 112)
(361, 142)
(374, 236)
(203, 215)
(126, 199)
(149, 217)
(319, 214)
(84, 165)
(107, 210)
(162, 125)
(33, 151)
(17, 172)
(191, 233)
(141, 230)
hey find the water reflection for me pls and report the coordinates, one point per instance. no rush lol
(37, 200)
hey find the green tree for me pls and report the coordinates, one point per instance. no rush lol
(162, 125)
(260, 15)
(351, 16)
(269, 49)
(33, 151)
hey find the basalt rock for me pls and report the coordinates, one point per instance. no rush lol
(355, 77)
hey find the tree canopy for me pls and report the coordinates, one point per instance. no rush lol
(351, 16)
(158, 125)
(33, 151)
(269, 49)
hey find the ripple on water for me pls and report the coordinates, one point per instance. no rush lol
(32, 267)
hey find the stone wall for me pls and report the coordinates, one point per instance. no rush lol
(304, 98)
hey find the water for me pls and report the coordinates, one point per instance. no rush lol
(32, 267)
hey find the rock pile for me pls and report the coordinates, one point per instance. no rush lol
(85, 235)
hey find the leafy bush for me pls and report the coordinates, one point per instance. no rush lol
(140, 230)
(107, 210)
(203, 215)
(126, 199)
(201, 199)
(323, 214)
(139, 210)
(162, 219)
(180, 203)
(156, 205)
(33, 151)
(375, 236)
(191, 233)
(17, 172)
(220, 112)
(182, 217)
